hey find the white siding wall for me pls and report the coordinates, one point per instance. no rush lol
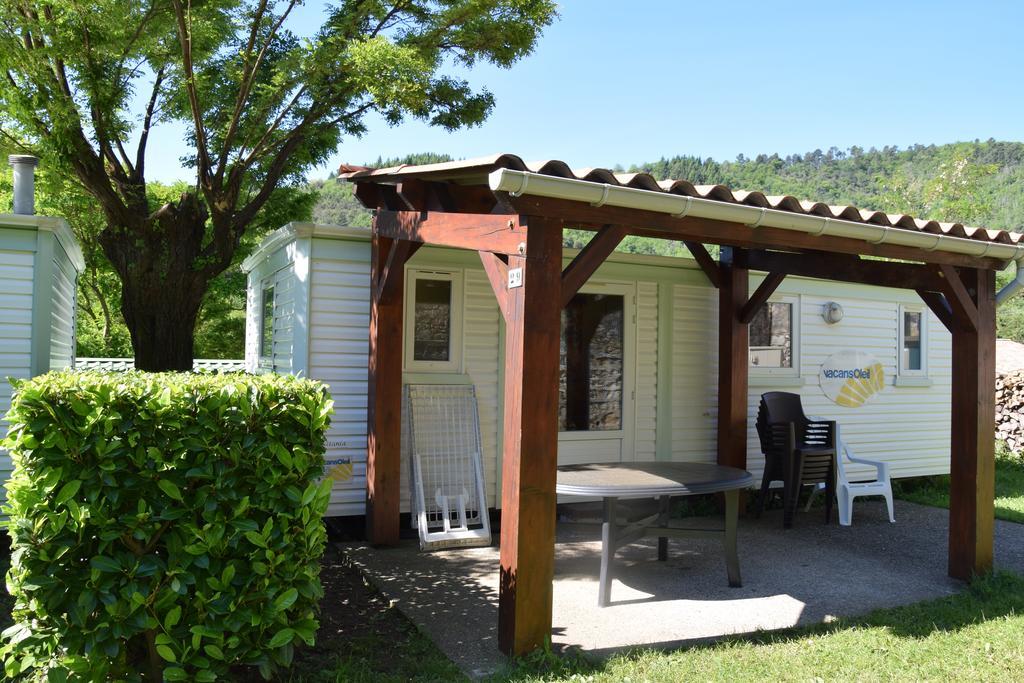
(285, 290)
(907, 426)
(482, 360)
(15, 333)
(338, 355)
(694, 373)
(252, 323)
(646, 386)
(62, 326)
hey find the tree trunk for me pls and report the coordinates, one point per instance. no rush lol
(164, 276)
(161, 320)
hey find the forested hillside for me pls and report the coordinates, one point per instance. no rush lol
(981, 183)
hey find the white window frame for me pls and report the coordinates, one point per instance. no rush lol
(794, 371)
(454, 362)
(266, 284)
(900, 334)
(627, 290)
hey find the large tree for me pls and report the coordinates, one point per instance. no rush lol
(85, 83)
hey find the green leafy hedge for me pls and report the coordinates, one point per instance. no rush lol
(163, 524)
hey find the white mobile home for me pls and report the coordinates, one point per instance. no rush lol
(39, 267)
(641, 335)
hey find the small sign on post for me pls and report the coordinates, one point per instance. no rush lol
(515, 278)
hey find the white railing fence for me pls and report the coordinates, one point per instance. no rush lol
(125, 364)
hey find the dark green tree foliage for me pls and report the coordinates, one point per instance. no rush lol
(260, 105)
(163, 524)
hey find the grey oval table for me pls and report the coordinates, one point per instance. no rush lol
(662, 480)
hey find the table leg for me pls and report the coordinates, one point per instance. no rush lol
(604, 595)
(663, 521)
(732, 561)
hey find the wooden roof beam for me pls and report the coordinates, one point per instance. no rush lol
(843, 268)
(936, 301)
(494, 233)
(706, 263)
(415, 194)
(760, 296)
(965, 312)
(665, 226)
(589, 260)
(388, 285)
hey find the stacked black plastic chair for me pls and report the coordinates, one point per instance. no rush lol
(797, 451)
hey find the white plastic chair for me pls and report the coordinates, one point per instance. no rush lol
(847, 490)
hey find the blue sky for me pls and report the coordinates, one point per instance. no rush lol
(626, 82)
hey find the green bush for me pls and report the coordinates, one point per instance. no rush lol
(163, 525)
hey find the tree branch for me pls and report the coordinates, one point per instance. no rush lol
(248, 79)
(185, 41)
(147, 123)
(253, 154)
(383, 24)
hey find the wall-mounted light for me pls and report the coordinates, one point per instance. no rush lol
(832, 312)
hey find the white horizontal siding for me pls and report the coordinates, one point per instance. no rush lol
(338, 356)
(694, 373)
(16, 271)
(646, 403)
(480, 353)
(285, 290)
(252, 324)
(62, 314)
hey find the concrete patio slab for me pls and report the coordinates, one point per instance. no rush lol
(803, 575)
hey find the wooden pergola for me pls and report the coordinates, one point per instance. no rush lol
(518, 232)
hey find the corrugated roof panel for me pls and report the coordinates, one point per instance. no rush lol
(721, 193)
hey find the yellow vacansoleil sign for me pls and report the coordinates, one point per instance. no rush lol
(851, 378)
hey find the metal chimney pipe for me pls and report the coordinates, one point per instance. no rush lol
(24, 166)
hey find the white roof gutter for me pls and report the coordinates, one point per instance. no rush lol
(1013, 287)
(600, 194)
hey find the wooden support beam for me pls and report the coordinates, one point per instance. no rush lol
(733, 360)
(496, 268)
(972, 447)
(479, 232)
(844, 268)
(965, 311)
(689, 228)
(530, 442)
(590, 259)
(384, 391)
(760, 296)
(936, 301)
(416, 194)
(706, 263)
(398, 255)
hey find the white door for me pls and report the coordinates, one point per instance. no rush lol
(598, 364)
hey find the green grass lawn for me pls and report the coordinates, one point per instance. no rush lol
(1009, 488)
(972, 636)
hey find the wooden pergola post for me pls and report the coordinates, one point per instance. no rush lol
(972, 449)
(384, 389)
(530, 456)
(733, 359)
